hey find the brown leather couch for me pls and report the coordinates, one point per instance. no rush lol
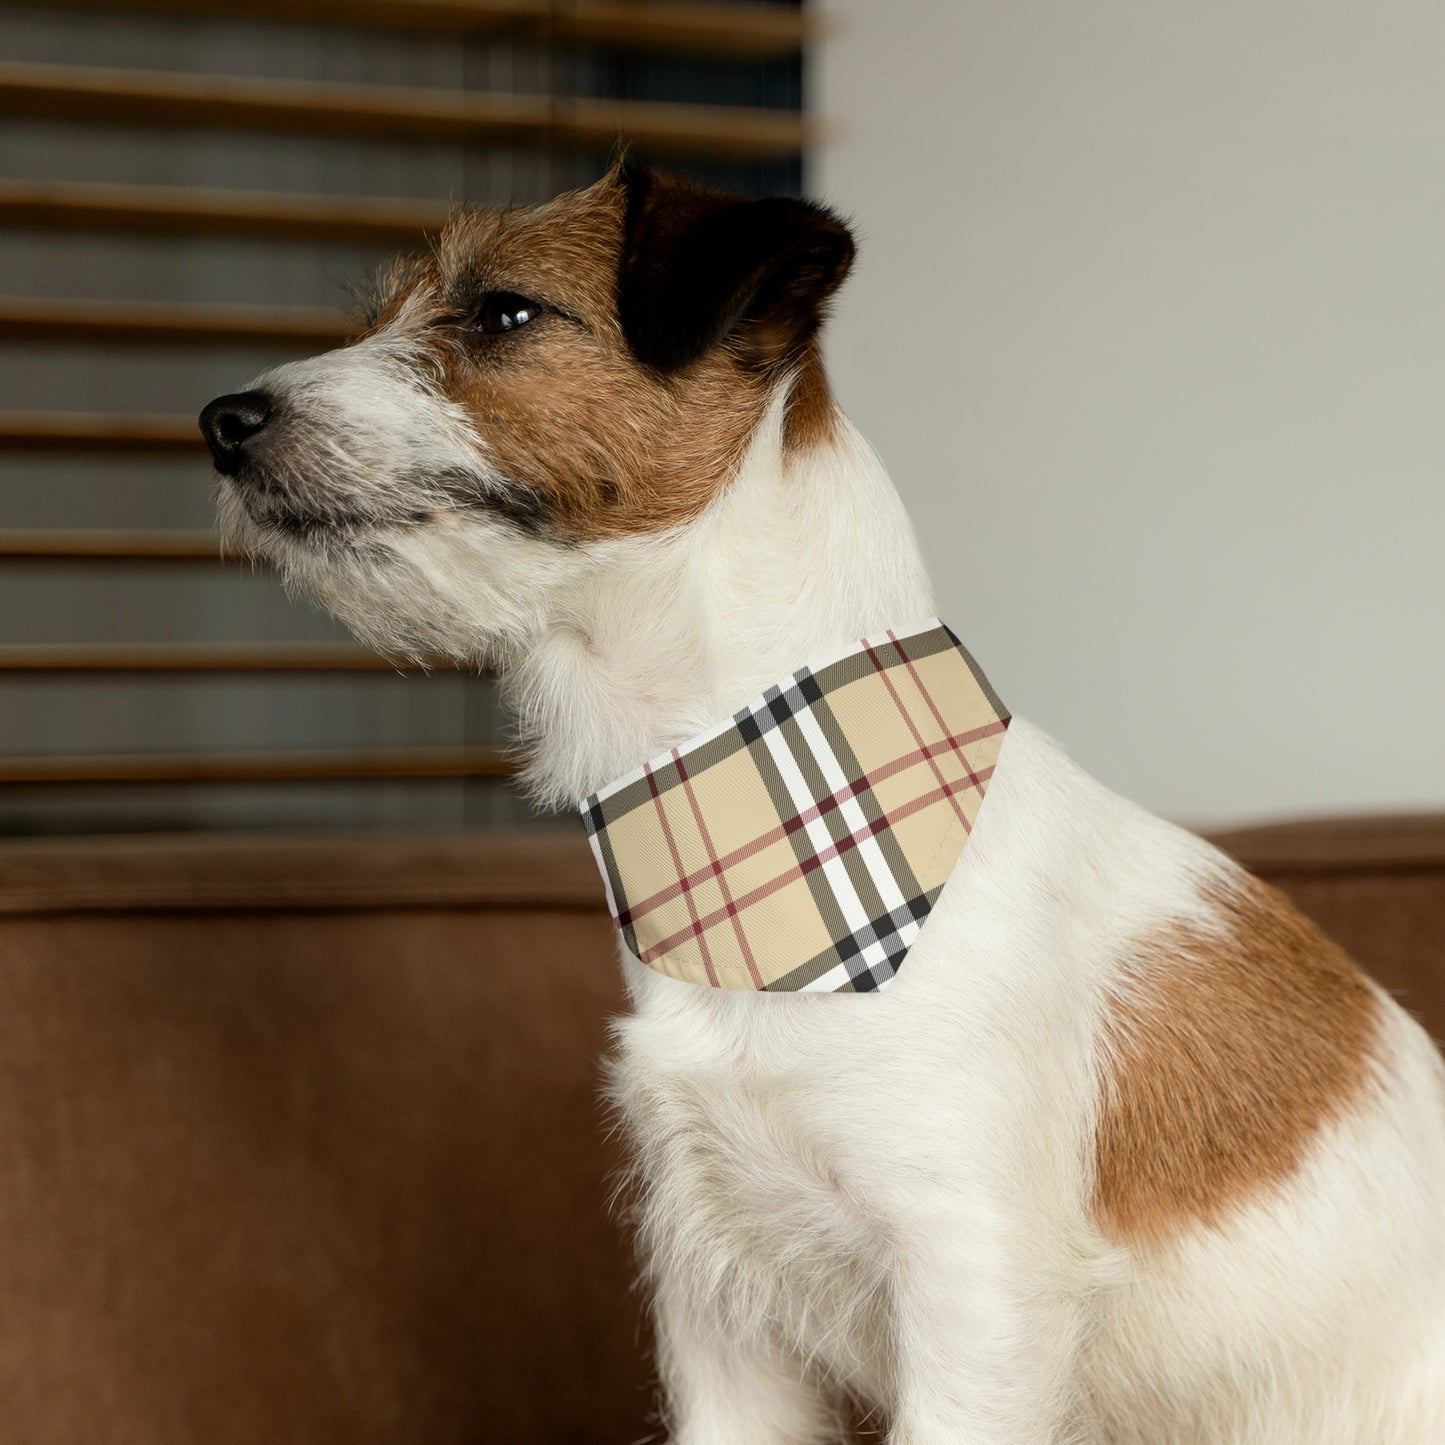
(300, 1139)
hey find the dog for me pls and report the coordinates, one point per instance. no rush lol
(1128, 1152)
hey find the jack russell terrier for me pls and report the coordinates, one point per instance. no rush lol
(1101, 1142)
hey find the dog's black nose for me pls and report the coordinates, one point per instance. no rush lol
(229, 422)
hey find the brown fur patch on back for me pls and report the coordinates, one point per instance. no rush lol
(1226, 1053)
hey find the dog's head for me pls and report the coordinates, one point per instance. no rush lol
(546, 384)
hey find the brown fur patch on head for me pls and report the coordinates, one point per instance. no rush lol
(1225, 1055)
(812, 417)
(380, 299)
(566, 411)
(599, 442)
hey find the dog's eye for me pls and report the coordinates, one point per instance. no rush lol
(504, 311)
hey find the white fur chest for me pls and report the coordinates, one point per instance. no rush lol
(744, 1132)
(789, 1143)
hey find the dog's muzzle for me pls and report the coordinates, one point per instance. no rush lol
(230, 422)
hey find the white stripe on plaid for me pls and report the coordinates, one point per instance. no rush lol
(854, 913)
(851, 811)
(801, 844)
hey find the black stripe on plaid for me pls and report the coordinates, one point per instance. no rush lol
(874, 814)
(767, 717)
(832, 819)
(781, 709)
(872, 954)
(594, 820)
(777, 705)
(865, 977)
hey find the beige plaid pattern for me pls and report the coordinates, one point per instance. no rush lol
(801, 844)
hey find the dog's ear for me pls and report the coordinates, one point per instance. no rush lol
(699, 266)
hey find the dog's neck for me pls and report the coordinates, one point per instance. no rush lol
(803, 554)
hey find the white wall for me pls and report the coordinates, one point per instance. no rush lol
(1149, 323)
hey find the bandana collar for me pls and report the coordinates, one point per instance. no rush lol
(800, 845)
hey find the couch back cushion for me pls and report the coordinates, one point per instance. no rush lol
(303, 1139)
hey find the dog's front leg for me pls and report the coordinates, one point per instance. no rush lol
(984, 1347)
(720, 1388)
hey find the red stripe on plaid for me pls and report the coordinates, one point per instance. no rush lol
(717, 869)
(917, 736)
(801, 870)
(826, 805)
(697, 928)
(927, 697)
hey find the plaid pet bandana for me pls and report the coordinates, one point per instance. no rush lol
(801, 844)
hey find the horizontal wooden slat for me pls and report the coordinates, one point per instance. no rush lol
(549, 868)
(755, 31)
(83, 431)
(259, 767)
(131, 657)
(218, 102)
(76, 544)
(171, 323)
(713, 29)
(175, 210)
